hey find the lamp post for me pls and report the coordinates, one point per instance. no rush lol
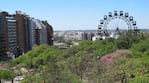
(97, 61)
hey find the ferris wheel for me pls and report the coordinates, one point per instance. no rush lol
(116, 24)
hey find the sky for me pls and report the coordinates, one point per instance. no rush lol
(78, 14)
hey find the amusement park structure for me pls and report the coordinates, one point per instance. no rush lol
(115, 24)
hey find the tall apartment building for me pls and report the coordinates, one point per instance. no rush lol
(23, 32)
(32, 32)
(3, 35)
(49, 32)
(8, 44)
(12, 35)
(41, 32)
(20, 32)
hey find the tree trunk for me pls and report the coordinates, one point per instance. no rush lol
(124, 80)
(12, 81)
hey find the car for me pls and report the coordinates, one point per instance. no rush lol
(18, 78)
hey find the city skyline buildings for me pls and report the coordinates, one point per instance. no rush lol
(20, 32)
(79, 14)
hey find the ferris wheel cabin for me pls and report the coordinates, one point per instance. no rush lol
(121, 13)
(115, 13)
(101, 21)
(126, 14)
(99, 27)
(105, 17)
(131, 18)
(134, 23)
(110, 14)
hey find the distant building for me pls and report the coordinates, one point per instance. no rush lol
(98, 38)
(87, 36)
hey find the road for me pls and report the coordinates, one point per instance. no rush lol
(3, 81)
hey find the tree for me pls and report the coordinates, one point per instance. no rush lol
(6, 74)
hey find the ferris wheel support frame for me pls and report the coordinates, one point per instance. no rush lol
(102, 28)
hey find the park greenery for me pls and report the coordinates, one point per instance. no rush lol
(82, 64)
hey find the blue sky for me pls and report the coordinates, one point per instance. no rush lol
(78, 14)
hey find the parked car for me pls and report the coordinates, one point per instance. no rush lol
(18, 78)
